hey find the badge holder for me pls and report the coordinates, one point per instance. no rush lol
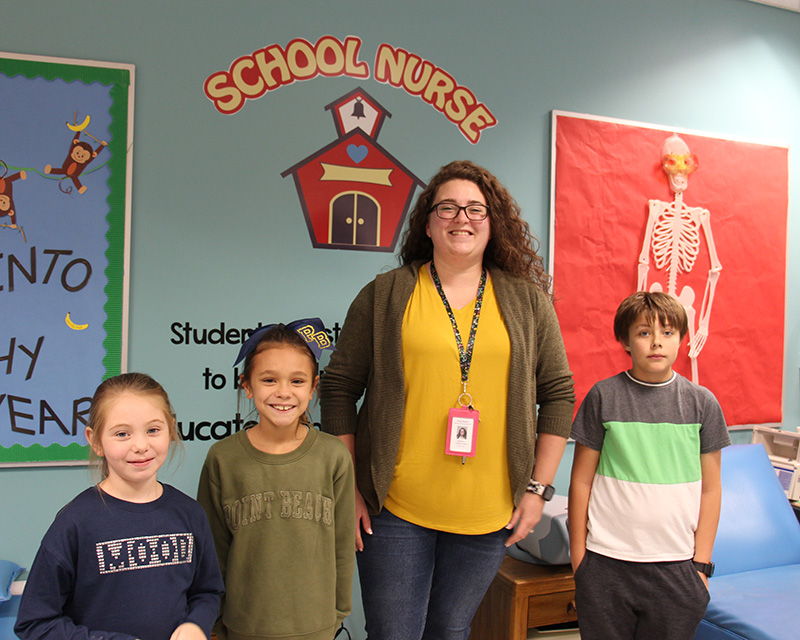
(462, 428)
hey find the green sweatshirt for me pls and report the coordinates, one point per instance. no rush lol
(283, 526)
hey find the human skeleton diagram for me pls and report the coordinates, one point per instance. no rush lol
(673, 236)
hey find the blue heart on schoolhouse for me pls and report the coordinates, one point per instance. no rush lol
(357, 152)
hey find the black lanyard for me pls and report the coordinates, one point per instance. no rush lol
(464, 355)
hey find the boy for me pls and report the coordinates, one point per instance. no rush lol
(645, 493)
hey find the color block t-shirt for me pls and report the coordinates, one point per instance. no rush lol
(645, 499)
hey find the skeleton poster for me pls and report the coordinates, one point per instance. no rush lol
(645, 207)
(65, 143)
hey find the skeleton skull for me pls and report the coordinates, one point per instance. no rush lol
(677, 162)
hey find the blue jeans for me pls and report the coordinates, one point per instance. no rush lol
(423, 584)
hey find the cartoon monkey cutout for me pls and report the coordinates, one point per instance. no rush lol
(79, 157)
(7, 198)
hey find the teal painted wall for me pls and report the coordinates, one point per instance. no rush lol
(218, 235)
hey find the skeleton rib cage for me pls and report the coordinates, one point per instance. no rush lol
(676, 242)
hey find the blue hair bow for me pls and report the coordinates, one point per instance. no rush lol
(311, 330)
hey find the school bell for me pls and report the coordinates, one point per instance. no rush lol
(358, 109)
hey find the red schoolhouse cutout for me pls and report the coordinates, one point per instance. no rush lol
(354, 194)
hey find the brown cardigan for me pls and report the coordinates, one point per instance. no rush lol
(368, 358)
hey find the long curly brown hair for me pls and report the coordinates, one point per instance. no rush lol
(512, 247)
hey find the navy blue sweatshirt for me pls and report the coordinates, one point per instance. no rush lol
(114, 570)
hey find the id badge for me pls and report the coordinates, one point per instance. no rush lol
(462, 432)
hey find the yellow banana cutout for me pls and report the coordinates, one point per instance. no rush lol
(81, 126)
(72, 325)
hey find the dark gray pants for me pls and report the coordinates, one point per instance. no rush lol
(617, 600)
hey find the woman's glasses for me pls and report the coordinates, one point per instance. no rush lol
(450, 210)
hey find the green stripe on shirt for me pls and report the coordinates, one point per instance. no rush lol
(660, 453)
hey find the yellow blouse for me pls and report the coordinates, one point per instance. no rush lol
(429, 487)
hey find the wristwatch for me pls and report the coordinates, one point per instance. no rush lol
(546, 491)
(708, 569)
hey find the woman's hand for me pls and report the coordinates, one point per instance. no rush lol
(188, 631)
(549, 449)
(362, 520)
(525, 517)
(362, 515)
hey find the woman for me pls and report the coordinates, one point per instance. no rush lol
(463, 329)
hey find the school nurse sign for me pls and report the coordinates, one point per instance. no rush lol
(253, 75)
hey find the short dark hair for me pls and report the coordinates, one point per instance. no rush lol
(653, 304)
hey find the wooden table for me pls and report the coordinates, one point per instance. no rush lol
(523, 596)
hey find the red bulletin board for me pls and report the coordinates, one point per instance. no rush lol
(604, 173)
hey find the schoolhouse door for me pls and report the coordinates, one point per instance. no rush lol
(354, 219)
